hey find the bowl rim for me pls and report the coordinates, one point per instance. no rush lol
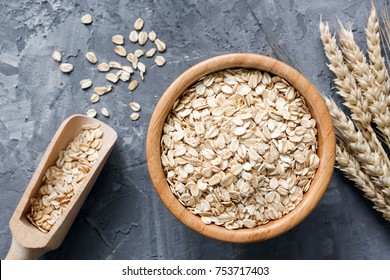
(325, 151)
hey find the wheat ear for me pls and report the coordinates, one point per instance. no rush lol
(349, 90)
(346, 84)
(371, 161)
(350, 166)
(366, 80)
(374, 52)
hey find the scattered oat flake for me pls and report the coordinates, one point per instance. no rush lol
(133, 85)
(142, 38)
(139, 53)
(119, 50)
(91, 113)
(57, 56)
(112, 77)
(95, 98)
(133, 37)
(152, 36)
(103, 67)
(86, 19)
(91, 57)
(135, 106)
(66, 67)
(134, 116)
(105, 112)
(150, 52)
(86, 83)
(138, 24)
(160, 61)
(124, 76)
(141, 67)
(161, 47)
(118, 39)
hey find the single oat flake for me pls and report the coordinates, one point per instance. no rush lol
(86, 19)
(91, 57)
(138, 24)
(133, 37)
(134, 116)
(160, 61)
(66, 67)
(118, 39)
(120, 51)
(86, 83)
(112, 77)
(95, 98)
(151, 52)
(57, 56)
(105, 112)
(103, 67)
(135, 106)
(141, 67)
(139, 53)
(142, 38)
(161, 47)
(133, 85)
(91, 113)
(124, 76)
(152, 36)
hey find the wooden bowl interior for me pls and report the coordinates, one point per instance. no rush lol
(326, 146)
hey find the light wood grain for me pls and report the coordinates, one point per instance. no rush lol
(326, 146)
(27, 241)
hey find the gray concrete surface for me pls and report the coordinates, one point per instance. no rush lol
(123, 217)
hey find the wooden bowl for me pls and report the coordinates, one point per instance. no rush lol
(326, 146)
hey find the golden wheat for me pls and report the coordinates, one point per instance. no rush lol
(364, 86)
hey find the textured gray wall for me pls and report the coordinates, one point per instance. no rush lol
(123, 218)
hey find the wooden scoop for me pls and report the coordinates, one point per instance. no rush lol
(28, 242)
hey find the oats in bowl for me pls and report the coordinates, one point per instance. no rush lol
(240, 148)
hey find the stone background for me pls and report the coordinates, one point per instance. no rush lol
(123, 218)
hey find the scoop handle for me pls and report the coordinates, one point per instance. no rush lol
(17, 252)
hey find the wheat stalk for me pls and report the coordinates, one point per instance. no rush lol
(385, 31)
(352, 169)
